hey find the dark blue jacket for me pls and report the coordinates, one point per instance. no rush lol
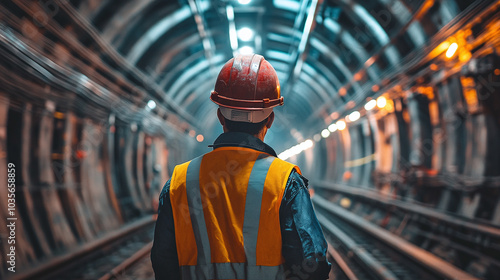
(304, 247)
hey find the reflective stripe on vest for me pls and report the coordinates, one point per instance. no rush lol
(226, 214)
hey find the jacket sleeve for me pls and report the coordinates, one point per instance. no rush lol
(304, 246)
(164, 251)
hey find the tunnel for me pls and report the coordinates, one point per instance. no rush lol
(391, 111)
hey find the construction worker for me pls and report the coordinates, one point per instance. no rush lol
(239, 212)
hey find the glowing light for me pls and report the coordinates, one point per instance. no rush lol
(345, 202)
(246, 50)
(354, 116)
(332, 127)
(451, 50)
(151, 104)
(200, 138)
(325, 133)
(317, 137)
(297, 149)
(244, 2)
(306, 144)
(370, 104)
(192, 133)
(381, 101)
(341, 125)
(245, 34)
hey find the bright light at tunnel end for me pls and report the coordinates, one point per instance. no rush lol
(246, 50)
(244, 2)
(245, 34)
(297, 149)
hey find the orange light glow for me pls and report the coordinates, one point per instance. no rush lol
(375, 88)
(342, 91)
(439, 49)
(497, 72)
(357, 76)
(200, 138)
(451, 50)
(434, 67)
(389, 107)
(58, 115)
(429, 91)
(345, 202)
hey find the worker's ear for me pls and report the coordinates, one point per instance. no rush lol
(221, 117)
(270, 120)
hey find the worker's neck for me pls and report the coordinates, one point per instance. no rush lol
(259, 135)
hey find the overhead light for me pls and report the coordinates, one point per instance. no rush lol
(200, 138)
(370, 104)
(354, 116)
(244, 2)
(151, 104)
(325, 133)
(297, 149)
(381, 101)
(246, 50)
(245, 34)
(451, 50)
(332, 127)
(306, 144)
(341, 125)
(317, 137)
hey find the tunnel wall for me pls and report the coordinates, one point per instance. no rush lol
(434, 144)
(88, 154)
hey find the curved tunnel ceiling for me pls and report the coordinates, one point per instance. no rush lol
(330, 55)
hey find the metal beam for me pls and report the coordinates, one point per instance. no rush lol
(201, 25)
(299, 55)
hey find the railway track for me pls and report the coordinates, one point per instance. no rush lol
(363, 250)
(105, 258)
(471, 244)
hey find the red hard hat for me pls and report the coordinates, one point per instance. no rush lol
(247, 89)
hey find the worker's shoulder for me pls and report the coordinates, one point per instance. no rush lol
(298, 178)
(182, 166)
(288, 165)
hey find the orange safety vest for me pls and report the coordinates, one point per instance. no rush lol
(225, 207)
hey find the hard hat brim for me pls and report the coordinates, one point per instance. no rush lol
(254, 116)
(249, 105)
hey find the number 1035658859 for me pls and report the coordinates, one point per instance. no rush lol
(11, 188)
